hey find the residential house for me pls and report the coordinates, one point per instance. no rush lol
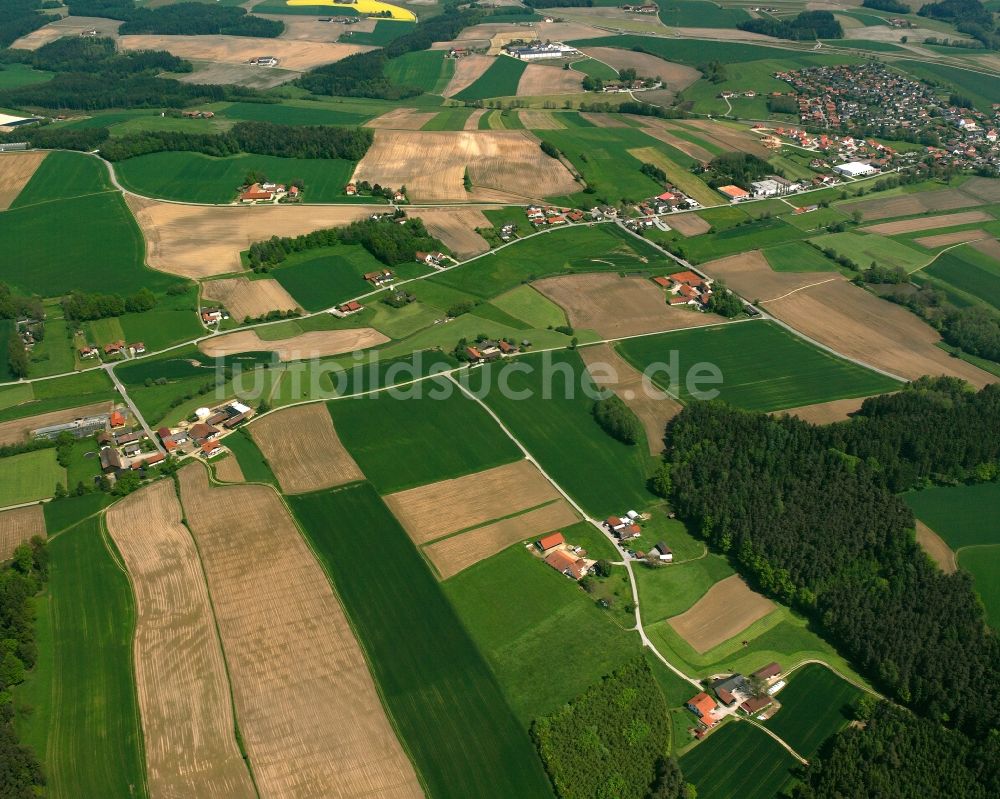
(156, 457)
(210, 449)
(549, 541)
(756, 703)
(137, 349)
(88, 352)
(211, 316)
(351, 189)
(702, 706)
(350, 307)
(117, 419)
(126, 438)
(565, 563)
(114, 348)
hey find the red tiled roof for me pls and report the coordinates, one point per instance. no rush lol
(551, 540)
(117, 420)
(561, 560)
(702, 703)
(688, 277)
(661, 281)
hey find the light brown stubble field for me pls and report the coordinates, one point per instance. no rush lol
(402, 119)
(228, 470)
(295, 55)
(16, 170)
(825, 412)
(541, 79)
(303, 449)
(936, 548)
(928, 223)
(676, 77)
(17, 430)
(910, 204)
(315, 344)
(243, 298)
(67, 26)
(183, 689)
(947, 239)
(309, 712)
(726, 609)
(467, 71)
(19, 525)
(456, 228)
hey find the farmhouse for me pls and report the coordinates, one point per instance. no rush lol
(111, 460)
(855, 169)
(549, 541)
(212, 316)
(702, 706)
(664, 552)
(256, 193)
(137, 349)
(117, 419)
(170, 439)
(351, 189)
(203, 432)
(565, 563)
(734, 193)
(732, 689)
(264, 61)
(210, 449)
(114, 348)
(350, 307)
(756, 704)
(88, 352)
(156, 457)
(768, 672)
(380, 278)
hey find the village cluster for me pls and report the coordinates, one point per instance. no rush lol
(269, 192)
(734, 693)
(114, 350)
(871, 97)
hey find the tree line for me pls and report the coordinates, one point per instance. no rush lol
(80, 307)
(973, 329)
(179, 19)
(811, 515)
(894, 6)
(617, 419)
(968, 16)
(259, 138)
(805, 26)
(738, 168)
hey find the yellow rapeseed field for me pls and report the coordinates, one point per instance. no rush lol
(362, 7)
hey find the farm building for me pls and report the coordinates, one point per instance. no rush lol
(855, 169)
(156, 457)
(111, 460)
(663, 552)
(538, 52)
(702, 706)
(203, 432)
(768, 672)
(732, 689)
(756, 704)
(210, 449)
(549, 541)
(380, 278)
(79, 428)
(567, 564)
(734, 193)
(350, 307)
(117, 419)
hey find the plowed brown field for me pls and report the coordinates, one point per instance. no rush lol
(253, 298)
(726, 609)
(19, 525)
(928, 223)
(16, 170)
(910, 204)
(456, 228)
(297, 55)
(540, 79)
(18, 430)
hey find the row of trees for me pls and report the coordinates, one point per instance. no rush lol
(975, 329)
(968, 16)
(80, 307)
(810, 515)
(894, 6)
(805, 26)
(259, 138)
(179, 19)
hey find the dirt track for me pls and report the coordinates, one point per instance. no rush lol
(16, 170)
(936, 548)
(253, 298)
(186, 708)
(727, 608)
(18, 430)
(296, 55)
(310, 716)
(19, 525)
(303, 450)
(928, 223)
(316, 344)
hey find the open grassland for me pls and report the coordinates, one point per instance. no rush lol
(16, 170)
(980, 87)
(864, 249)
(700, 14)
(18, 526)
(197, 178)
(690, 184)
(64, 513)
(971, 271)
(726, 609)
(345, 112)
(426, 69)
(669, 591)
(384, 32)
(448, 119)
(763, 367)
(765, 232)
(43, 396)
(410, 456)
(187, 714)
(63, 175)
(94, 742)
(323, 733)
(797, 256)
(303, 449)
(14, 76)
(554, 422)
(442, 696)
(983, 563)
(962, 515)
(499, 80)
(814, 705)
(30, 476)
(738, 762)
(530, 306)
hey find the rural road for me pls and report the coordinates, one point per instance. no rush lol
(110, 369)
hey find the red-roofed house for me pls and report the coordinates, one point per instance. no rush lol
(350, 307)
(702, 706)
(117, 419)
(567, 564)
(662, 281)
(614, 523)
(256, 193)
(210, 449)
(551, 540)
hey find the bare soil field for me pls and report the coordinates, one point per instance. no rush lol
(202, 241)
(315, 344)
(946, 239)
(928, 223)
(304, 29)
(824, 412)
(18, 430)
(67, 26)
(859, 325)
(587, 298)
(19, 525)
(935, 546)
(653, 407)
(452, 555)
(689, 224)
(564, 31)
(253, 298)
(676, 77)
(727, 608)
(990, 247)
(310, 716)
(662, 132)
(303, 450)
(296, 55)
(541, 79)
(456, 228)
(987, 189)
(471, 500)
(467, 71)
(16, 170)
(228, 470)
(402, 119)
(603, 120)
(728, 138)
(432, 165)
(751, 275)
(472, 123)
(534, 119)
(910, 204)
(186, 707)
(238, 74)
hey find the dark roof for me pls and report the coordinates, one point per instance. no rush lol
(660, 545)
(768, 671)
(757, 703)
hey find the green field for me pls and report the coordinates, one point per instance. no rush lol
(866, 44)
(797, 256)
(385, 31)
(63, 175)
(6, 334)
(500, 80)
(197, 178)
(595, 68)
(53, 354)
(19, 401)
(88, 715)
(66, 512)
(13, 76)
(962, 515)
(738, 762)
(415, 452)
(604, 475)
(700, 14)
(440, 693)
(344, 112)
(970, 271)
(252, 462)
(427, 69)
(763, 367)
(449, 119)
(755, 235)
(30, 476)
(666, 592)
(983, 563)
(865, 248)
(814, 705)
(530, 306)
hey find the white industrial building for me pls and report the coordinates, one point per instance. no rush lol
(536, 52)
(855, 169)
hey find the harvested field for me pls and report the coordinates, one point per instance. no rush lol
(471, 500)
(688, 224)
(653, 407)
(751, 275)
(253, 298)
(587, 298)
(859, 325)
(452, 555)
(676, 77)
(228, 470)
(947, 239)
(18, 430)
(603, 120)
(67, 26)
(19, 525)
(16, 170)
(825, 412)
(310, 717)
(295, 55)
(472, 123)
(180, 673)
(456, 228)
(467, 71)
(565, 31)
(539, 79)
(909, 204)
(304, 29)
(315, 344)
(935, 546)
(723, 35)
(726, 609)
(729, 138)
(303, 450)
(928, 223)
(660, 131)
(990, 247)
(238, 74)
(987, 189)
(432, 165)
(539, 120)
(402, 119)
(202, 241)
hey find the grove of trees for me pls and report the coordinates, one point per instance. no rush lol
(805, 26)
(190, 18)
(617, 419)
(80, 307)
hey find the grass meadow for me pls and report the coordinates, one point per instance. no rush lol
(14, 76)
(66, 512)
(449, 119)
(983, 563)
(764, 367)
(63, 175)
(738, 761)
(384, 32)
(970, 271)
(797, 256)
(962, 515)
(814, 705)
(500, 80)
(309, 113)
(865, 248)
(252, 462)
(426, 69)
(19, 401)
(443, 698)
(29, 476)
(700, 14)
(397, 442)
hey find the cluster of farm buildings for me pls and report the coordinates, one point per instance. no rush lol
(734, 693)
(202, 436)
(540, 51)
(114, 350)
(686, 288)
(564, 558)
(122, 444)
(670, 200)
(269, 192)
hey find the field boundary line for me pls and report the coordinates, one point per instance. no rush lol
(942, 252)
(800, 288)
(776, 737)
